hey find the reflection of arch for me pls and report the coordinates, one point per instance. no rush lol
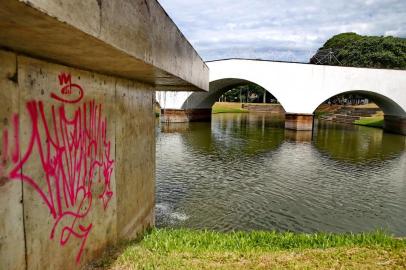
(253, 130)
(377, 145)
(386, 104)
(218, 87)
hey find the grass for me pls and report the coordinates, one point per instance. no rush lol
(376, 121)
(188, 249)
(228, 110)
(228, 107)
(320, 113)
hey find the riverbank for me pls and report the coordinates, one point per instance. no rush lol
(188, 249)
(228, 107)
(234, 107)
(376, 122)
(364, 115)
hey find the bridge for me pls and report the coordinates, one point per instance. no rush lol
(300, 88)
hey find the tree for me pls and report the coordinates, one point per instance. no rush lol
(241, 94)
(351, 49)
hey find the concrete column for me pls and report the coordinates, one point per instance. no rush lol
(395, 124)
(182, 116)
(299, 121)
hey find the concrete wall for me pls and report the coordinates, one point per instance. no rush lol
(77, 139)
(77, 163)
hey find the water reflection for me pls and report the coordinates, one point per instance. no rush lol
(356, 143)
(298, 135)
(244, 171)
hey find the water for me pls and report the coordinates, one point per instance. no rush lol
(245, 172)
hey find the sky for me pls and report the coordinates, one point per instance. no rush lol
(290, 30)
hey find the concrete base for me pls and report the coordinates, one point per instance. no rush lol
(174, 127)
(395, 124)
(297, 121)
(182, 116)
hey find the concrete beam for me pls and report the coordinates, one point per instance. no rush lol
(133, 39)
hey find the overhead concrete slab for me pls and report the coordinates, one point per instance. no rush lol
(132, 39)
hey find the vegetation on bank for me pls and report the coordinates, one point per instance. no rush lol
(351, 49)
(236, 107)
(228, 107)
(188, 249)
(376, 121)
(247, 93)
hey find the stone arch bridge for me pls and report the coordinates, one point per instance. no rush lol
(299, 88)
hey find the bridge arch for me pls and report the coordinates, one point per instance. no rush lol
(217, 88)
(385, 103)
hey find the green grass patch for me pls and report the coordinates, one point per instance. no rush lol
(228, 107)
(165, 240)
(228, 110)
(370, 122)
(189, 249)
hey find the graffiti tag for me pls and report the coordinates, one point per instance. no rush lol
(73, 153)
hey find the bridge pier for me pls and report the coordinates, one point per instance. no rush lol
(185, 115)
(299, 121)
(59, 85)
(395, 124)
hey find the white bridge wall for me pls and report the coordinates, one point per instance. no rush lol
(300, 88)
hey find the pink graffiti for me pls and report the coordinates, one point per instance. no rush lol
(66, 81)
(74, 155)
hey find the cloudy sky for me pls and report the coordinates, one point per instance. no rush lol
(290, 30)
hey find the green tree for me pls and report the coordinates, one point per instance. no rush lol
(240, 93)
(351, 49)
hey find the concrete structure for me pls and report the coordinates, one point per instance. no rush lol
(300, 89)
(77, 139)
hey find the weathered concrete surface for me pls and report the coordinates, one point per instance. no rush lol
(173, 116)
(183, 116)
(133, 39)
(136, 172)
(299, 121)
(77, 138)
(76, 176)
(37, 80)
(395, 124)
(12, 247)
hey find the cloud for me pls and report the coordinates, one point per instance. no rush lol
(280, 30)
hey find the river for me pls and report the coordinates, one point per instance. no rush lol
(246, 172)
